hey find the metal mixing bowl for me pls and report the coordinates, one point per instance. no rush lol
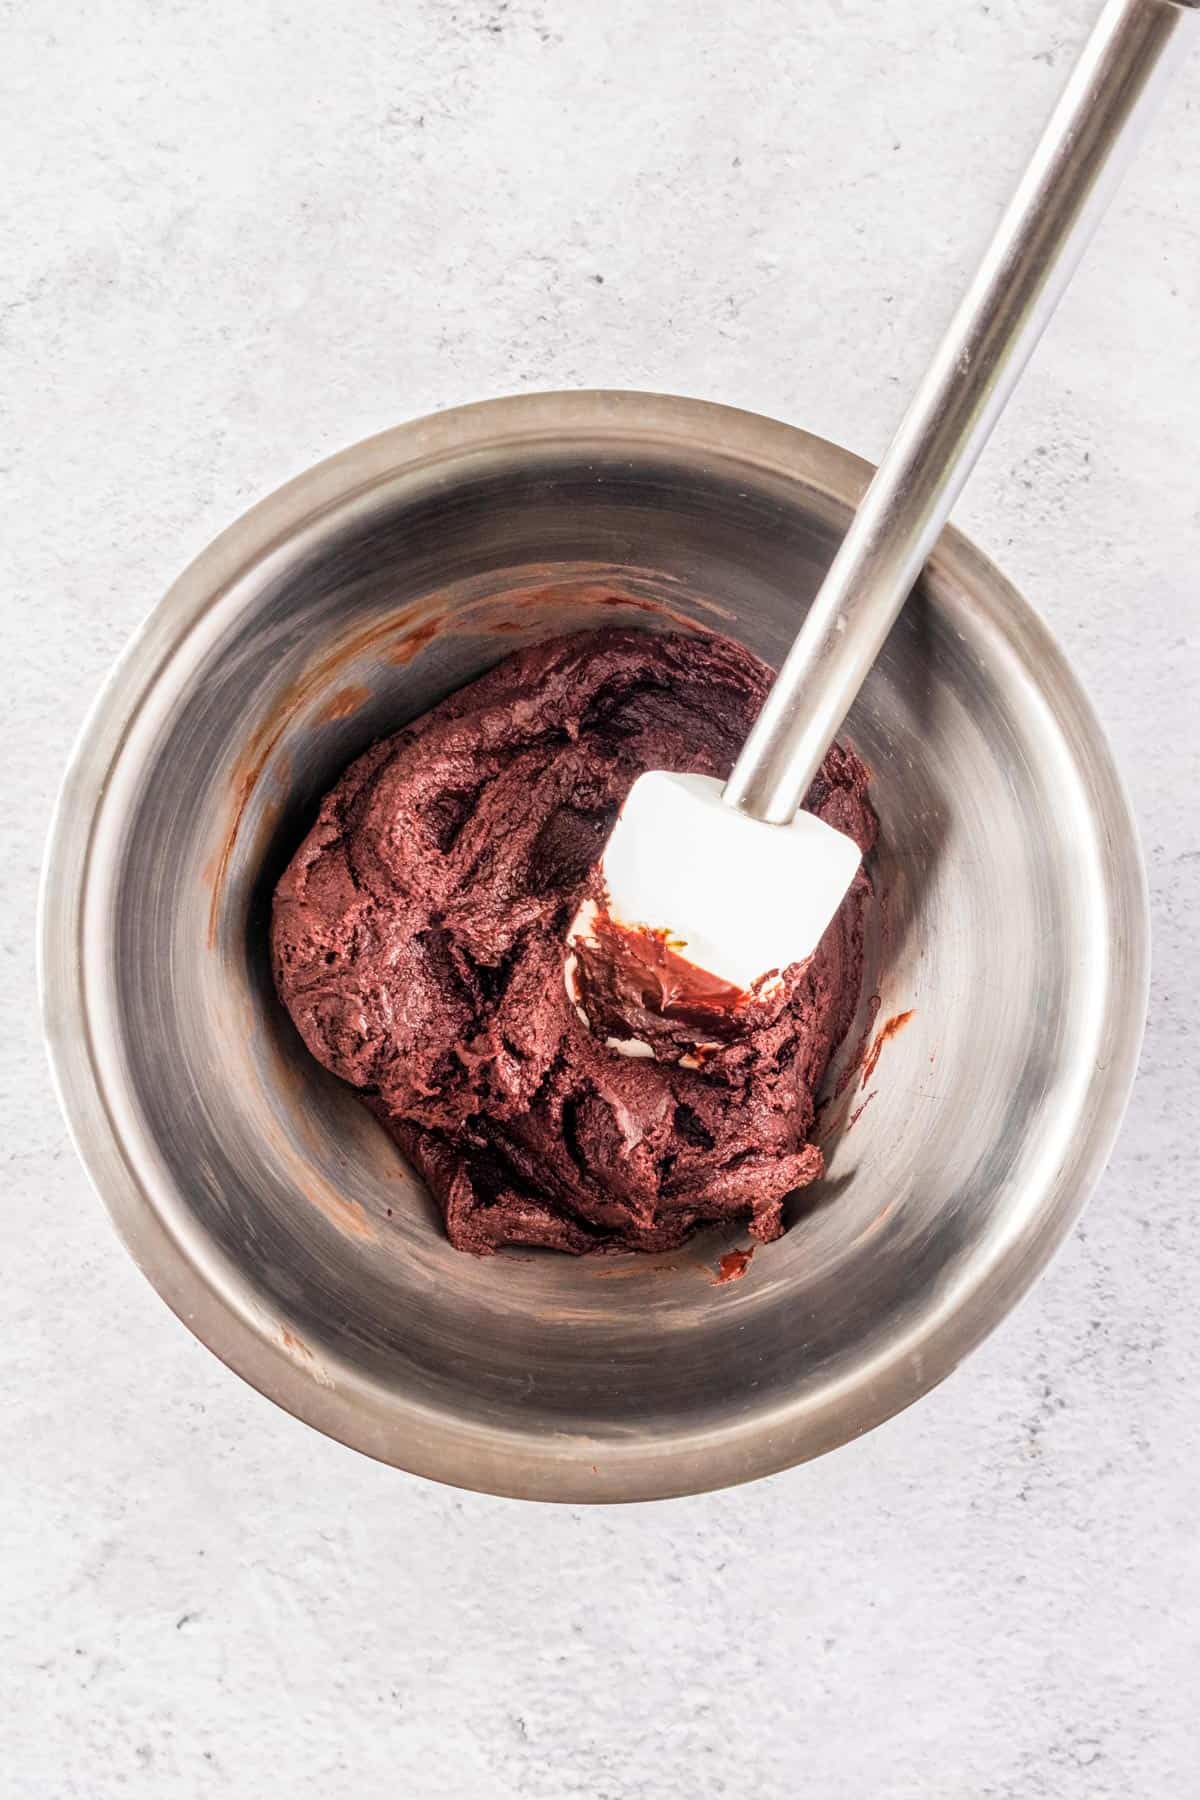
(269, 1209)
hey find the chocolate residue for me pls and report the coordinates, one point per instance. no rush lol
(300, 1352)
(408, 647)
(503, 611)
(243, 787)
(896, 1023)
(348, 1215)
(732, 1266)
(216, 873)
(418, 943)
(344, 703)
(858, 1112)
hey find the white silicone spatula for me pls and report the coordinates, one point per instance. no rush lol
(738, 880)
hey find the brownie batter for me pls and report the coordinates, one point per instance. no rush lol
(418, 942)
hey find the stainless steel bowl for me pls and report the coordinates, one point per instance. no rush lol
(265, 1204)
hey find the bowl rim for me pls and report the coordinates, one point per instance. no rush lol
(347, 1407)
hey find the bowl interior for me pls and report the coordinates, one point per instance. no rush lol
(988, 969)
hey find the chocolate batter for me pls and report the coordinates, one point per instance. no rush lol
(418, 941)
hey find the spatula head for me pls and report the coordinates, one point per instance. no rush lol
(702, 904)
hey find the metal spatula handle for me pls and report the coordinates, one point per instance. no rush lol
(1077, 165)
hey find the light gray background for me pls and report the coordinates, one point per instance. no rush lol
(236, 238)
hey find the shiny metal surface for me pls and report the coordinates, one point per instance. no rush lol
(261, 1199)
(1084, 150)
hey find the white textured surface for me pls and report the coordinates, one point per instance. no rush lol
(238, 237)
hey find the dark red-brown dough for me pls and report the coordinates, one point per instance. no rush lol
(418, 945)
